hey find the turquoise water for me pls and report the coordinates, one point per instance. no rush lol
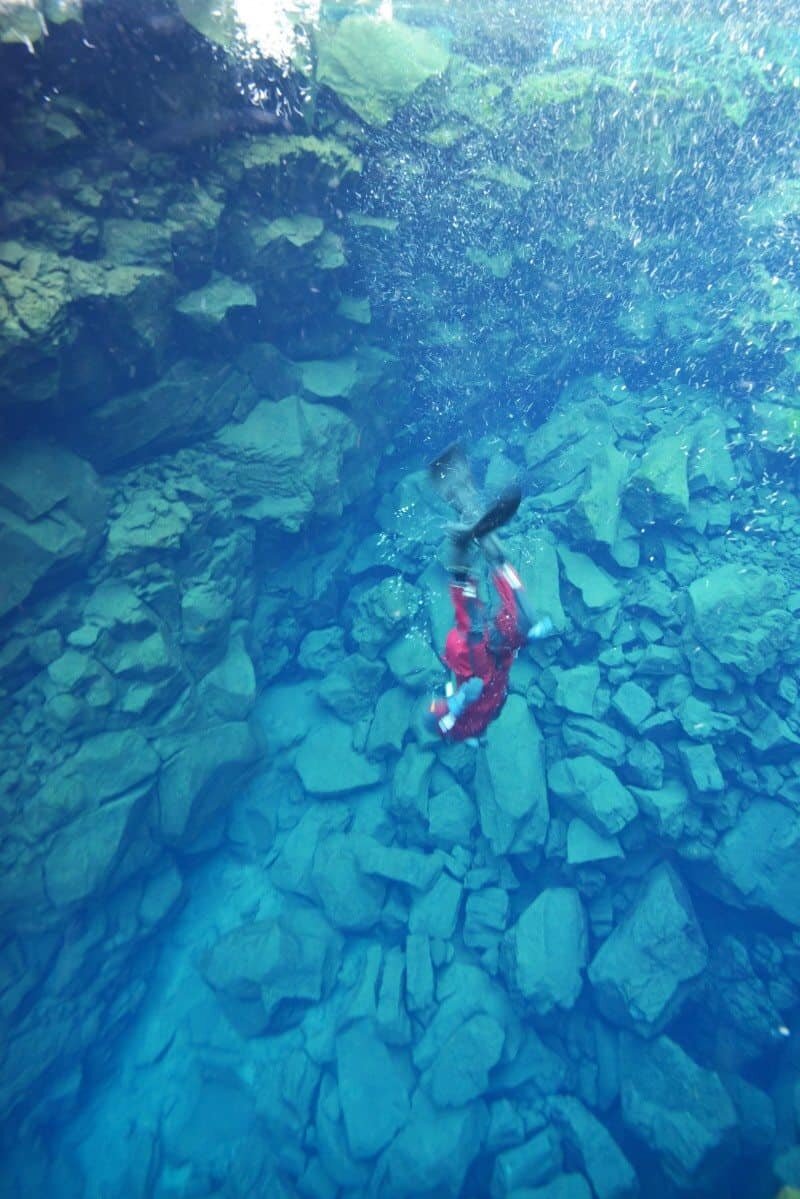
(264, 932)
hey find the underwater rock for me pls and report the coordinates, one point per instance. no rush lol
(451, 816)
(595, 739)
(146, 528)
(433, 1151)
(350, 689)
(544, 578)
(383, 613)
(189, 401)
(597, 588)
(373, 1090)
(350, 899)
(53, 510)
(594, 792)
(595, 516)
(585, 844)
(667, 807)
(532, 1162)
(84, 854)
(328, 764)
(266, 973)
(544, 954)
(207, 307)
(775, 426)
(460, 1071)
(642, 973)
(738, 614)
(577, 687)
(753, 864)
(413, 662)
(510, 781)
(282, 464)
(701, 769)
(228, 692)
(201, 778)
(633, 704)
(681, 1111)
(563, 1186)
(658, 489)
(375, 66)
(390, 723)
(136, 243)
(605, 1165)
(408, 866)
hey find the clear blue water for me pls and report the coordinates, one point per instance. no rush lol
(261, 931)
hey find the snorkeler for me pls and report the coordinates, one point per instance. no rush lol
(478, 650)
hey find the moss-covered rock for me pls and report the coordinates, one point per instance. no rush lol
(376, 66)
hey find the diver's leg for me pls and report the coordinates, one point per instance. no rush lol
(514, 618)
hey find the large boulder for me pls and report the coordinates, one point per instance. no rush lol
(544, 953)
(511, 783)
(738, 614)
(53, 511)
(642, 973)
(681, 1111)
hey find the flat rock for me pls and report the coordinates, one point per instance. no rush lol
(585, 844)
(283, 462)
(597, 588)
(328, 765)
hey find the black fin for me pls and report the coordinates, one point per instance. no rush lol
(499, 514)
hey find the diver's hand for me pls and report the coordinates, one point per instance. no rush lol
(542, 628)
(467, 694)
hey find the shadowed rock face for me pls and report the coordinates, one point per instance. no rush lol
(53, 511)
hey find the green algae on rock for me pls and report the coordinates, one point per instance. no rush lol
(376, 66)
